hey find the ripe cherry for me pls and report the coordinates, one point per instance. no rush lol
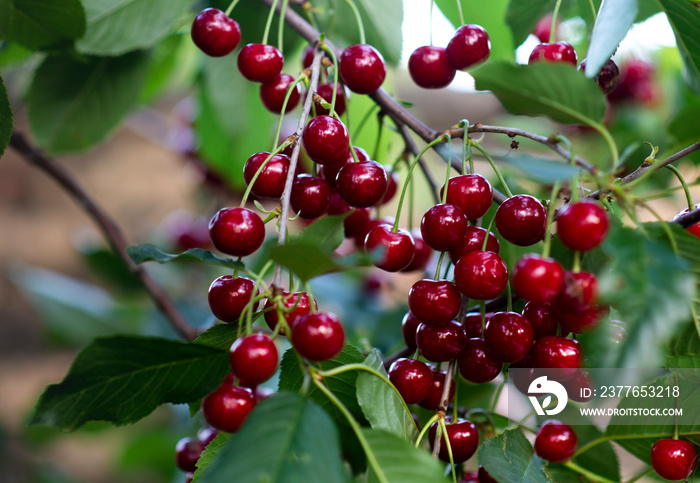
(434, 301)
(228, 296)
(310, 197)
(326, 140)
(673, 459)
(329, 171)
(228, 407)
(522, 220)
(254, 358)
(637, 83)
(412, 379)
(409, 326)
(608, 78)
(359, 239)
(294, 306)
(260, 62)
(273, 92)
(553, 352)
(472, 324)
(473, 241)
(326, 92)
(476, 364)
(484, 476)
(481, 275)
(356, 223)
(362, 184)
(318, 337)
(443, 227)
(362, 68)
(393, 184)
(422, 254)
(579, 323)
(537, 278)
(583, 225)
(555, 441)
(215, 33)
(694, 229)
(390, 251)
(432, 400)
(271, 180)
(429, 67)
(207, 435)
(463, 437)
(579, 293)
(509, 336)
(469, 46)
(542, 318)
(187, 453)
(543, 29)
(440, 342)
(558, 52)
(575, 387)
(236, 231)
(471, 192)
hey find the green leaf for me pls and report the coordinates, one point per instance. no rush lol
(539, 170)
(683, 126)
(600, 459)
(326, 234)
(684, 353)
(151, 253)
(510, 457)
(39, 24)
(220, 336)
(115, 27)
(5, 118)
(685, 21)
(522, 16)
(557, 91)
(123, 379)
(5, 10)
(383, 408)
(612, 24)
(286, 438)
(73, 105)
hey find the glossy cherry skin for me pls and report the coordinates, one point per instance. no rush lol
(473, 241)
(522, 220)
(694, 229)
(362, 184)
(463, 437)
(392, 186)
(476, 364)
(471, 192)
(481, 275)
(187, 453)
(429, 67)
(329, 171)
(390, 251)
(357, 223)
(362, 68)
(579, 323)
(236, 231)
(440, 342)
(472, 324)
(558, 52)
(228, 296)
(543, 29)
(412, 378)
(260, 62)
(326, 140)
(310, 197)
(326, 92)
(484, 476)
(553, 352)
(469, 46)
(207, 435)
(583, 225)
(228, 407)
(294, 306)
(555, 441)
(271, 180)
(538, 279)
(214, 33)
(432, 400)
(272, 93)
(509, 336)
(579, 293)
(318, 337)
(409, 326)
(359, 239)
(254, 358)
(443, 227)
(470, 478)
(673, 459)
(542, 318)
(422, 253)
(608, 78)
(434, 301)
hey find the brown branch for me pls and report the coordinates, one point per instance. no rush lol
(404, 352)
(108, 227)
(689, 219)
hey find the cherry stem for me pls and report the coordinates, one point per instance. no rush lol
(448, 171)
(576, 267)
(280, 31)
(269, 22)
(679, 175)
(478, 146)
(459, 10)
(443, 430)
(486, 235)
(595, 14)
(588, 474)
(664, 227)
(509, 297)
(466, 148)
(330, 52)
(287, 95)
(358, 17)
(230, 7)
(550, 220)
(497, 392)
(482, 309)
(249, 188)
(553, 31)
(439, 264)
(380, 131)
(640, 475)
(425, 429)
(675, 416)
(430, 20)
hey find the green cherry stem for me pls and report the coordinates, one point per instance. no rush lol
(478, 146)
(358, 17)
(459, 10)
(287, 95)
(482, 310)
(365, 118)
(497, 392)
(641, 475)
(269, 22)
(679, 175)
(230, 7)
(330, 52)
(665, 228)
(466, 148)
(553, 31)
(248, 189)
(595, 14)
(443, 430)
(427, 425)
(550, 220)
(588, 474)
(380, 131)
(280, 30)
(439, 264)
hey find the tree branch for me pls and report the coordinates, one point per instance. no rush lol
(689, 219)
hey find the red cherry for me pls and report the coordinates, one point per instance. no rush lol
(582, 226)
(391, 251)
(473, 241)
(236, 231)
(271, 180)
(307, 56)
(469, 46)
(673, 459)
(254, 358)
(555, 441)
(228, 297)
(558, 52)
(541, 318)
(579, 323)
(538, 279)
(392, 186)
(476, 364)
(440, 342)
(207, 435)
(471, 192)
(329, 171)
(543, 29)
(357, 223)
(362, 184)
(579, 293)
(432, 400)
(434, 301)
(318, 337)
(359, 239)
(337, 206)
(260, 62)
(608, 78)
(326, 92)
(574, 387)
(470, 478)
(463, 437)
(522, 220)
(362, 68)
(693, 230)
(484, 476)
(294, 306)
(422, 253)
(310, 197)
(326, 140)
(187, 453)
(560, 353)
(409, 326)
(509, 336)
(273, 92)
(637, 83)
(443, 227)
(429, 67)
(215, 33)
(481, 275)
(228, 407)
(472, 324)
(412, 379)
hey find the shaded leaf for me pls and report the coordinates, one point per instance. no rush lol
(510, 457)
(5, 118)
(326, 234)
(614, 19)
(220, 336)
(308, 261)
(540, 170)
(685, 21)
(5, 9)
(38, 24)
(151, 253)
(522, 16)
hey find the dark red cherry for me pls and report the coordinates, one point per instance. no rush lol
(228, 296)
(542, 318)
(326, 91)
(579, 323)
(434, 301)
(271, 180)
(260, 62)
(524, 375)
(476, 364)
(409, 326)
(463, 437)
(390, 251)
(356, 223)
(422, 254)
(207, 435)
(543, 29)
(326, 140)
(362, 184)
(558, 52)
(293, 306)
(469, 46)
(214, 33)
(538, 279)
(637, 83)
(553, 352)
(580, 388)
(509, 336)
(254, 358)
(555, 441)
(471, 192)
(443, 227)
(608, 78)
(318, 337)
(362, 68)
(484, 476)
(694, 229)
(393, 184)
(272, 93)
(440, 342)
(522, 220)
(337, 206)
(187, 453)
(472, 324)
(236, 231)
(673, 459)
(429, 67)
(579, 293)
(481, 275)
(583, 225)
(412, 378)
(470, 478)
(310, 196)
(359, 239)
(330, 171)
(228, 407)
(473, 241)
(432, 400)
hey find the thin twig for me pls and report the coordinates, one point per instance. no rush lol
(109, 229)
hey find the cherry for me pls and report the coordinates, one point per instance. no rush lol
(271, 180)
(413, 379)
(359, 239)
(526, 373)
(463, 437)
(608, 78)
(262, 393)
(228, 297)
(392, 251)
(434, 301)
(558, 52)
(429, 67)
(273, 92)
(187, 231)
(673, 459)
(579, 323)
(310, 196)
(582, 226)
(187, 453)
(215, 33)
(329, 171)
(357, 222)
(537, 278)
(542, 319)
(393, 184)
(509, 336)
(228, 407)
(207, 435)
(318, 337)
(326, 92)
(254, 358)
(484, 476)
(260, 62)
(636, 83)
(337, 206)
(579, 293)
(432, 400)
(422, 253)
(555, 441)
(236, 231)
(409, 326)
(693, 230)
(295, 305)
(471, 192)
(362, 184)
(574, 387)
(553, 352)
(522, 220)
(443, 227)
(472, 324)
(543, 29)
(473, 241)
(469, 46)
(476, 364)
(362, 68)
(440, 342)
(481, 275)
(470, 478)
(326, 140)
